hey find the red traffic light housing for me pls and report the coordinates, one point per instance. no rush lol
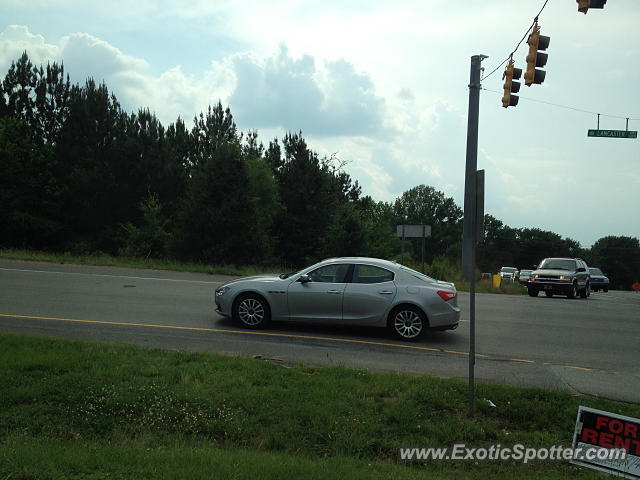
(585, 5)
(510, 85)
(536, 59)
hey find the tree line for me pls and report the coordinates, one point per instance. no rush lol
(80, 174)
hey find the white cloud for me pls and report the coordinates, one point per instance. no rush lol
(16, 39)
(319, 98)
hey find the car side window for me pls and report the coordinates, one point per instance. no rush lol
(330, 273)
(371, 274)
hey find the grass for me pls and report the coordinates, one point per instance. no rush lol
(106, 260)
(72, 409)
(440, 268)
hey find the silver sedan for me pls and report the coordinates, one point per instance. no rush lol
(348, 291)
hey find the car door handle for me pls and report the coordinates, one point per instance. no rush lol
(386, 292)
(335, 292)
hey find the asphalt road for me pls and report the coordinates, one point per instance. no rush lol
(584, 346)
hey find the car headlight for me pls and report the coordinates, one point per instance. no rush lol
(221, 291)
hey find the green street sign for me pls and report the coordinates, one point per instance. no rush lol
(613, 133)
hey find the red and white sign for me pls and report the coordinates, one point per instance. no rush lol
(603, 431)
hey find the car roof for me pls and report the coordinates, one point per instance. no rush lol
(377, 261)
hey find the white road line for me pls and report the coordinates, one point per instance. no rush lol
(110, 276)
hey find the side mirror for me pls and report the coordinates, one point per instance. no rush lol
(304, 279)
(581, 269)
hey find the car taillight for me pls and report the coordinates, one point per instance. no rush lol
(447, 295)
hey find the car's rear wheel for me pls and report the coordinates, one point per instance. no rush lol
(533, 292)
(573, 293)
(548, 293)
(252, 311)
(408, 323)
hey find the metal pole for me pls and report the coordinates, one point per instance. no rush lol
(423, 237)
(402, 247)
(470, 212)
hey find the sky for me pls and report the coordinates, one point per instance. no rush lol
(384, 86)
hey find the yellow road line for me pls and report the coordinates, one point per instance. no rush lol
(224, 330)
(271, 334)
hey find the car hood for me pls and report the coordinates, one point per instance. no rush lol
(256, 278)
(546, 271)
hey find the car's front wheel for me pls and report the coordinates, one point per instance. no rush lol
(252, 311)
(573, 293)
(408, 323)
(533, 292)
(586, 292)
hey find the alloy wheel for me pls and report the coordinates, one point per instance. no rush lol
(408, 324)
(251, 312)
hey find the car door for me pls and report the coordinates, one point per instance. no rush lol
(320, 298)
(368, 296)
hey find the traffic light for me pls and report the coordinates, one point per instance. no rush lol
(510, 85)
(585, 5)
(535, 58)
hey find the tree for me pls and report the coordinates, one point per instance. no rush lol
(30, 193)
(311, 192)
(619, 258)
(219, 220)
(536, 244)
(499, 247)
(379, 228)
(37, 97)
(151, 238)
(423, 205)
(95, 171)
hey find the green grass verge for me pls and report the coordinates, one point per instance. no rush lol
(72, 409)
(105, 260)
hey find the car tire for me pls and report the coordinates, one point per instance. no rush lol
(605, 290)
(595, 290)
(573, 293)
(586, 291)
(251, 311)
(408, 323)
(548, 293)
(533, 292)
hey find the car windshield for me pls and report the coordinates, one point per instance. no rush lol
(558, 264)
(418, 275)
(525, 272)
(508, 269)
(595, 271)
